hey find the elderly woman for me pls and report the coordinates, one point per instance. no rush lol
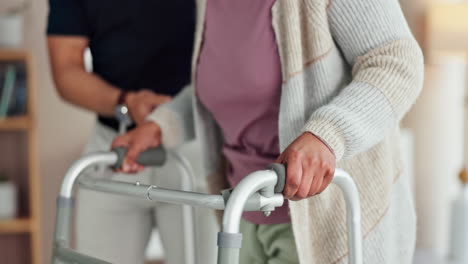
(313, 84)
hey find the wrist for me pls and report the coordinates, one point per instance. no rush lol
(322, 141)
(124, 98)
(122, 109)
(128, 98)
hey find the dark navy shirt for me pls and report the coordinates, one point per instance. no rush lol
(135, 44)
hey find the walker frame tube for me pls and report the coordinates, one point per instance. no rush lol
(254, 192)
(230, 238)
(251, 184)
(353, 214)
(259, 180)
(65, 201)
(189, 221)
(156, 194)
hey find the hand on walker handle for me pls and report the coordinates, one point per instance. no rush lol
(310, 167)
(141, 103)
(147, 135)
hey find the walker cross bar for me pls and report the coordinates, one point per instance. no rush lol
(259, 191)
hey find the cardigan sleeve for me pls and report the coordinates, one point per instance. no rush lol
(387, 74)
(175, 119)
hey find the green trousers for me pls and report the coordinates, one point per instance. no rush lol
(267, 244)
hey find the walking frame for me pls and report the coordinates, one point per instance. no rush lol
(259, 191)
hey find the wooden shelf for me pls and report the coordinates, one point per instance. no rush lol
(24, 166)
(15, 123)
(13, 54)
(22, 225)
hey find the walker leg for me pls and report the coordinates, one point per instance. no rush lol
(228, 255)
(230, 239)
(62, 226)
(229, 245)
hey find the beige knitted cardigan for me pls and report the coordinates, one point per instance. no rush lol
(351, 70)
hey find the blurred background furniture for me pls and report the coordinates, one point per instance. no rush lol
(20, 236)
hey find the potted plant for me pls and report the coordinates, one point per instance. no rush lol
(11, 25)
(7, 198)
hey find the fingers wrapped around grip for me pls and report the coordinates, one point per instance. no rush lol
(310, 167)
(149, 157)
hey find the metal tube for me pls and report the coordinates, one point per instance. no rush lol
(63, 221)
(188, 218)
(65, 207)
(228, 255)
(248, 186)
(104, 158)
(353, 214)
(260, 179)
(154, 194)
(239, 201)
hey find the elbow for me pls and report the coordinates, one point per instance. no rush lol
(396, 70)
(63, 95)
(418, 67)
(415, 74)
(61, 75)
(61, 88)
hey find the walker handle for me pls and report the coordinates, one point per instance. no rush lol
(280, 170)
(149, 157)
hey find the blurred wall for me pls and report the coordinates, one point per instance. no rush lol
(62, 129)
(437, 120)
(415, 14)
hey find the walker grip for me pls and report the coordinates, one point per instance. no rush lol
(280, 170)
(149, 157)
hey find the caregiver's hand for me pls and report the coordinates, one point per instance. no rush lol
(145, 136)
(310, 167)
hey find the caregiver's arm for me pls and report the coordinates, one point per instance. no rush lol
(68, 35)
(88, 90)
(73, 83)
(387, 76)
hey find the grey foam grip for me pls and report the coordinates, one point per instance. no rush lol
(149, 157)
(65, 202)
(229, 240)
(280, 170)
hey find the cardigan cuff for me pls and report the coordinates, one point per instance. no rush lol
(324, 142)
(171, 135)
(329, 134)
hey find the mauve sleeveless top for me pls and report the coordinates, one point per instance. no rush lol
(239, 82)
